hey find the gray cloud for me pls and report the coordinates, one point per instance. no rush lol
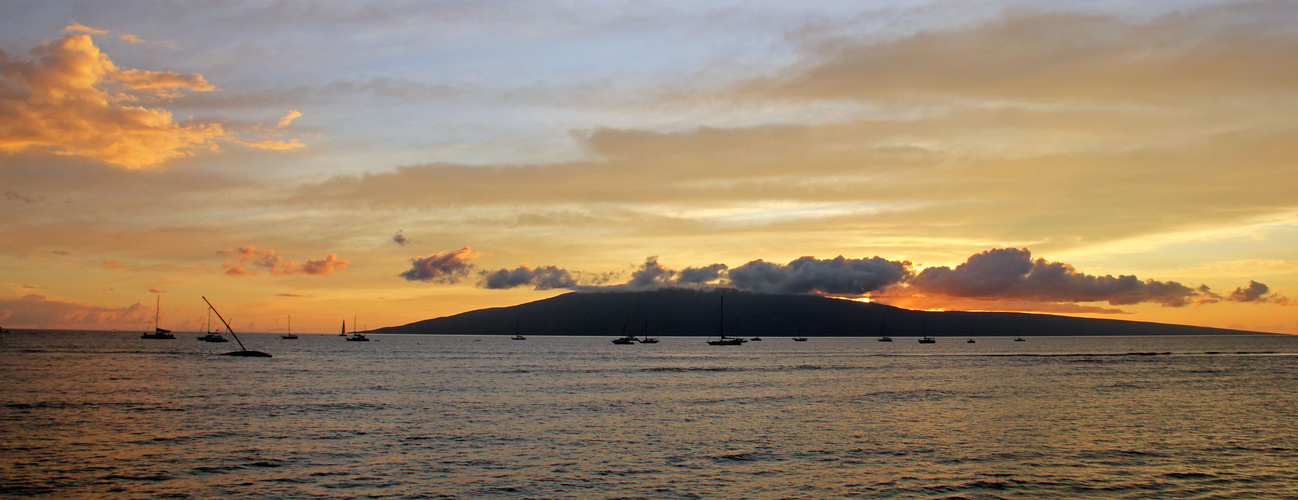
(702, 275)
(13, 196)
(541, 278)
(1257, 293)
(1010, 273)
(837, 276)
(443, 267)
(652, 275)
(1032, 55)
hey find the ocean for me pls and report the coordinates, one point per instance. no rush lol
(109, 415)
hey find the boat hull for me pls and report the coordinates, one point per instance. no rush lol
(247, 354)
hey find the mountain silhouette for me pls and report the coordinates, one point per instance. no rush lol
(678, 312)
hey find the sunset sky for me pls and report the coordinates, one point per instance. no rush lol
(398, 161)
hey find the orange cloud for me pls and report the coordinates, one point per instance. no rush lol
(161, 80)
(131, 38)
(80, 28)
(238, 261)
(287, 119)
(323, 266)
(274, 145)
(39, 311)
(60, 99)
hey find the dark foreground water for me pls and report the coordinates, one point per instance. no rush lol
(110, 415)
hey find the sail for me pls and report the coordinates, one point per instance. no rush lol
(160, 330)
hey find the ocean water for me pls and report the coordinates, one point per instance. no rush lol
(108, 415)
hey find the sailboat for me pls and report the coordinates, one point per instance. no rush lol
(626, 339)
(211, 335)
(158, 333)
(721, 328)
(647, 339)
(356, 336)
(517, 335)
(244, 352)
(288, 331)
(927, 339)
(883, 335)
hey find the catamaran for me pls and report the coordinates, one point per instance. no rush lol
(211, 335)
(356, 336)
(158, 333)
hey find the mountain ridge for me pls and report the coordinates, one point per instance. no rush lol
(683, 312)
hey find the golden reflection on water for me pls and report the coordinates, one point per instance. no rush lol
(578, 417)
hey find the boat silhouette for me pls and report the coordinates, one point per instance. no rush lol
(517, 336)
(356, 336)
(288, 331)
(721, 328)
(927, 339)
(244, 352)
(647, 339)
(158, 333)
(626, 339)
(211, 335)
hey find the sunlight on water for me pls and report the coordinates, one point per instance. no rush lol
(94, 414)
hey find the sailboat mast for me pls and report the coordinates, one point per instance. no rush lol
(157, 310)
(721, 318)
(227, 325)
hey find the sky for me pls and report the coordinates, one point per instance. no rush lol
(396, 161)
